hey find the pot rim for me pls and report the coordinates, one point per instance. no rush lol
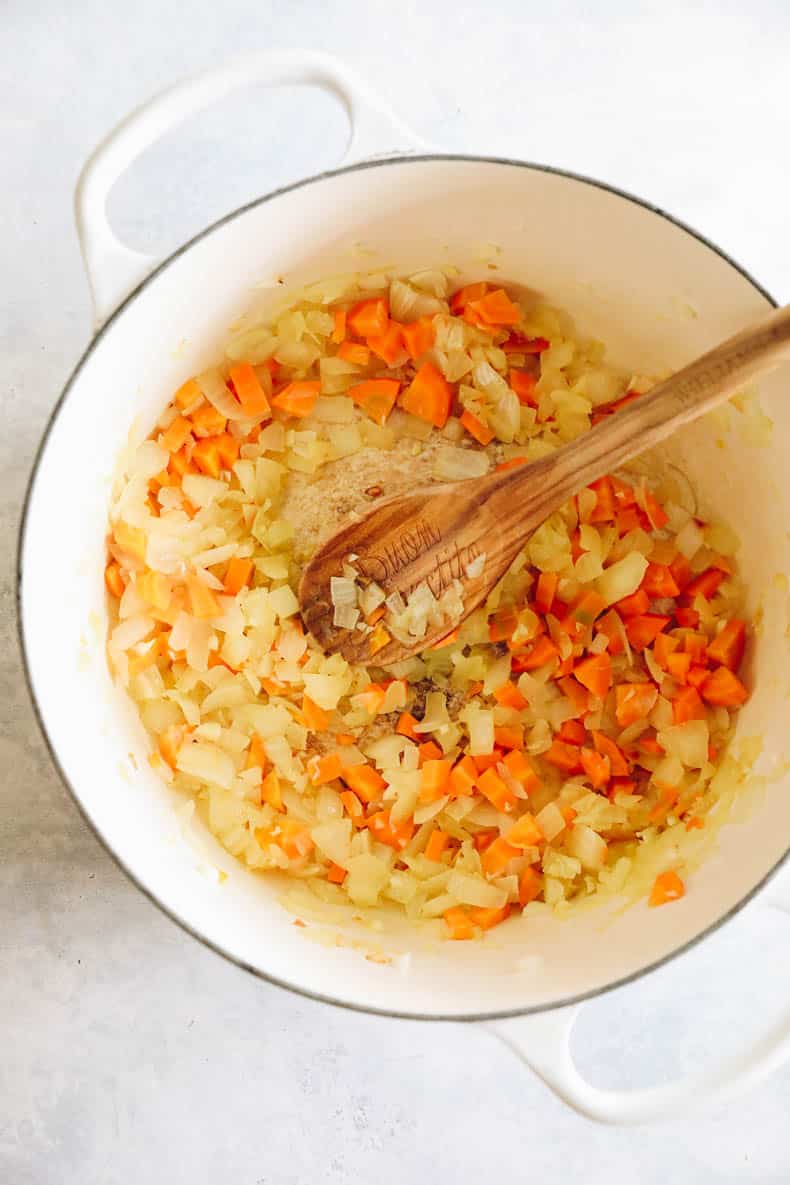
(136, 292)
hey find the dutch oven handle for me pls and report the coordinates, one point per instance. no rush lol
(113, 269)
(543, 1042)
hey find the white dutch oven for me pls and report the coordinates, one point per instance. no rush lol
(653, 290)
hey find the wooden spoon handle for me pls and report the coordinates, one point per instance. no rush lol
(647, 421)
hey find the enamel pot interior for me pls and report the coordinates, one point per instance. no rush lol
(656, 294)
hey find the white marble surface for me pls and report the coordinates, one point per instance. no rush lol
(128, 1052)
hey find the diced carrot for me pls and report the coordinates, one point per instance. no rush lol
(546, 591)
(366, 782)
(326, 769)
(429, 396)
(583, 612)
(437, 842)
(418, 337)
(659, 582)
(187, 394)
(605, 507)
(486, 917)
(609, 409)
(597, 767)
(524, 384)
(407, 725)
(496, 790)
(643, 629)
(256, 754)
(666, 887)
(482, 839)
(389, 345)
(155, 588)
(354, 352)
(564, 756)
(460, 299)
(611, 627)
(372, 698)
(271, 791)
(291, 835)
(339, 326)
(578, 695)
(564, 668)
(595, 673)
(114, 579)
(513, 463)
(728, 645)
(687, 705)
(179, 464)
(495, 309)
(314, 717)
(375, 615)
(681, 571)
(434, 779)
(459, 923)
(228, 448)
(395, 835)
(428, 751)
(170, 742)
(678, 666)
(520, 768)
(369, 318)
(354, 808)
(484, 761)
(655, 512)
(609, 748)
(525, 832)
(528, 886)
(497, 856)
(376, 397)
(298, 399)
(704, 585)
(249, 391)
(206, 456)
(541, 652)
(634, 701)
(336, 875)
(476, 428)
(650, 745)
(518, 344)
(697, 646)
(664, 645)
(629, 519)
(176, 435)
(207, 421)
(635, 605)
(573, 732)
(724, 689)
(509, 736)
(237, 575)
(463, 778)
(688, 618)
(202, 601)
(509, 696)
(344, 739)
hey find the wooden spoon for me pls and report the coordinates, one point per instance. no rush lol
(435, 532)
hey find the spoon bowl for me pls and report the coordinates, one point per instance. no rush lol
(467, 534)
